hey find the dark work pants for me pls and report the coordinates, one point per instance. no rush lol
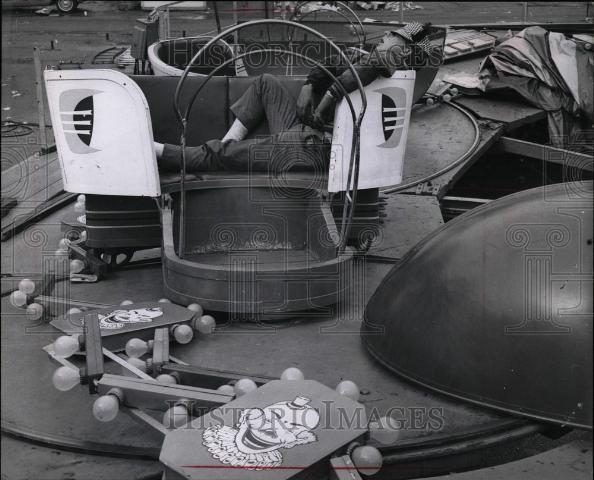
(291, 145)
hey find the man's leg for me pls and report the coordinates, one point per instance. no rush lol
(286, 151)
(267, 98)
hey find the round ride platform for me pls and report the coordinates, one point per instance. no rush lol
(326, 348)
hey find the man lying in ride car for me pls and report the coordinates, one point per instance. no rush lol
(297, 140)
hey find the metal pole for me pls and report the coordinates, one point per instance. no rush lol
(235, 20)
(401, 12)
(525, 12)
(167, 23)
(39, 92)
(217, 17)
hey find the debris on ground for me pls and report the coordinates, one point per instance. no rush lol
(393, 6)
(45, 10)
(551, 72)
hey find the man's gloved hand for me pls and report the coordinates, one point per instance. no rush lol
(306, 103)
(325, 109)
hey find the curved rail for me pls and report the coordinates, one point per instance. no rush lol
(153, 48)
(447, 168)
(393, 454)
(183, 118)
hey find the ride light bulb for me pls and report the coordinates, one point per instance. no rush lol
(164, 300)
(205, 324)
(135, 347)
(197, 309)
(27, 286)
(18, 298)
(76, 266)
(34, 311)
(73, 311)
(348, 389)
(126, 302)
(183, 333)
(81, 198)
(367, 459)
(65, 378)
(166, 379)
(226, 389)
(65, 346)
(384, 431)
(79, 207)
(176, 417)
(106, 408)
(292, 373)
(63, 244)
(243, 386)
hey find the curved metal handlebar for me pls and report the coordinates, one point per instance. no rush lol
(353, 173)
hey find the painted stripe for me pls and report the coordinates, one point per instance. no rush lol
(76, 122)
(393, 127)
(80, 112)
(79, 132)
(394, 109)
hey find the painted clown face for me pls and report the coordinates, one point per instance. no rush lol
(119, 318)
(261, 432)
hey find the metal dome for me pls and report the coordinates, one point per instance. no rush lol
(495, 308)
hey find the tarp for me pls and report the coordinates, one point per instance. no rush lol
(551, 72)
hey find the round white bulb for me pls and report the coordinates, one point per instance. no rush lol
(65, 378)
(81, 198)
(197, 309)
(74, 311)
(430, 101)
(79, 207)
(183, 334)
(243, 386)
(348, 389)
(384, 431)
(65, 346)
(166, 379)
(126, 302)
(447, 97)
(135, 347)
(175, 417)
(63, 244)
(367, 459)
(205, 324)
(34, 311)
(76, 266)
(454, 91)
(106, 408)
(292, 373)
(164, 300)
(83, 236)
(27, 286)
(226, 389)
(18, 298)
